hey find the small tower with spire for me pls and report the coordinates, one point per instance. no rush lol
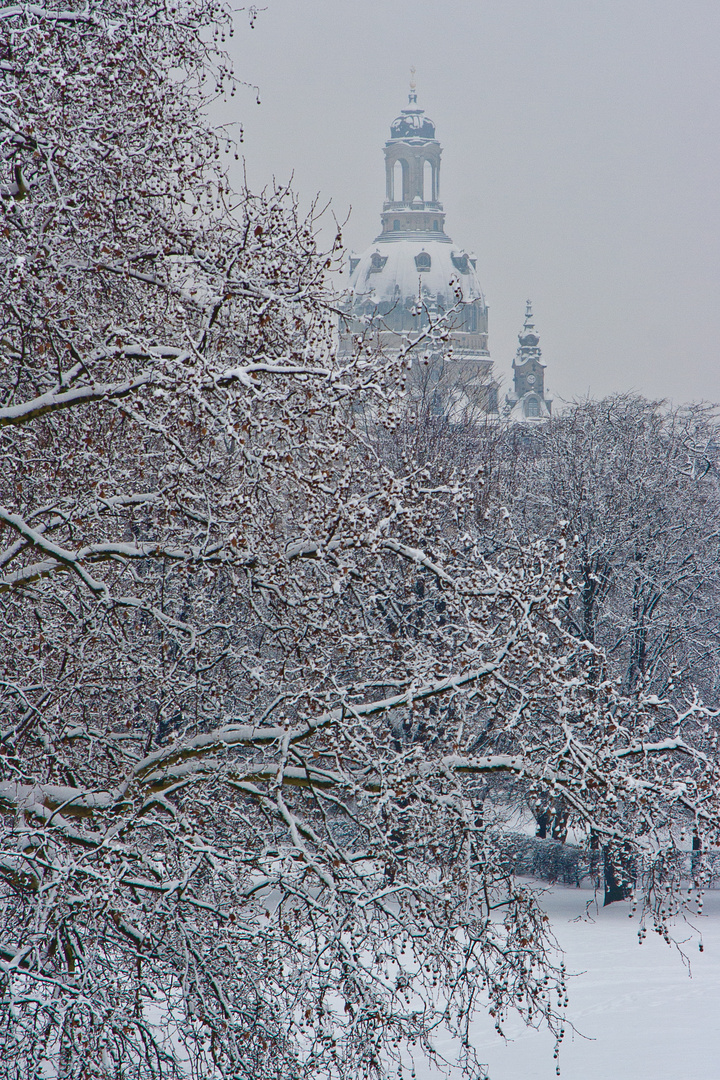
(527, 402)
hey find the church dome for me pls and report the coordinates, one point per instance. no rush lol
(392, 273)
(412, 124)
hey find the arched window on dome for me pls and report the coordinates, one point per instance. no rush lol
(532, 407)
(428, 182)
(377, 261)
(401, 181)
(423, 261)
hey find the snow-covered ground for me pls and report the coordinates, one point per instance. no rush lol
(643, 1016)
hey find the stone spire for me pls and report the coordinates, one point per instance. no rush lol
(529, 340)
(527, 400)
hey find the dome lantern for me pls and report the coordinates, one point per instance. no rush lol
(412, 173)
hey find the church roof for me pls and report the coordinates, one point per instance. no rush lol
(389, 271)
(412, 124)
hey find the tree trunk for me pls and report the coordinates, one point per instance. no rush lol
(619, 872)
(595, 859)
(552, 821)
(696, 860)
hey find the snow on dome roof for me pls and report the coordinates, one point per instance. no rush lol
(405, 272)
(412, 124)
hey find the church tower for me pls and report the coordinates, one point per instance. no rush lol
(412, 176)
(413, 272)
(527, 401)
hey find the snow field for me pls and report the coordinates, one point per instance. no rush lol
(641, 1012)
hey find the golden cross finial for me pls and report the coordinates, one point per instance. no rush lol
(413, 84)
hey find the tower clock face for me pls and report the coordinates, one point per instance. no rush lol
(531, 380)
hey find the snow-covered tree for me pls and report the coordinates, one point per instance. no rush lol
(637, 485)
(254, 673)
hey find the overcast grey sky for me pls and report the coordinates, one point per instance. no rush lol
(581, 161)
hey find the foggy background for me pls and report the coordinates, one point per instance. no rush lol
(581, 161)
